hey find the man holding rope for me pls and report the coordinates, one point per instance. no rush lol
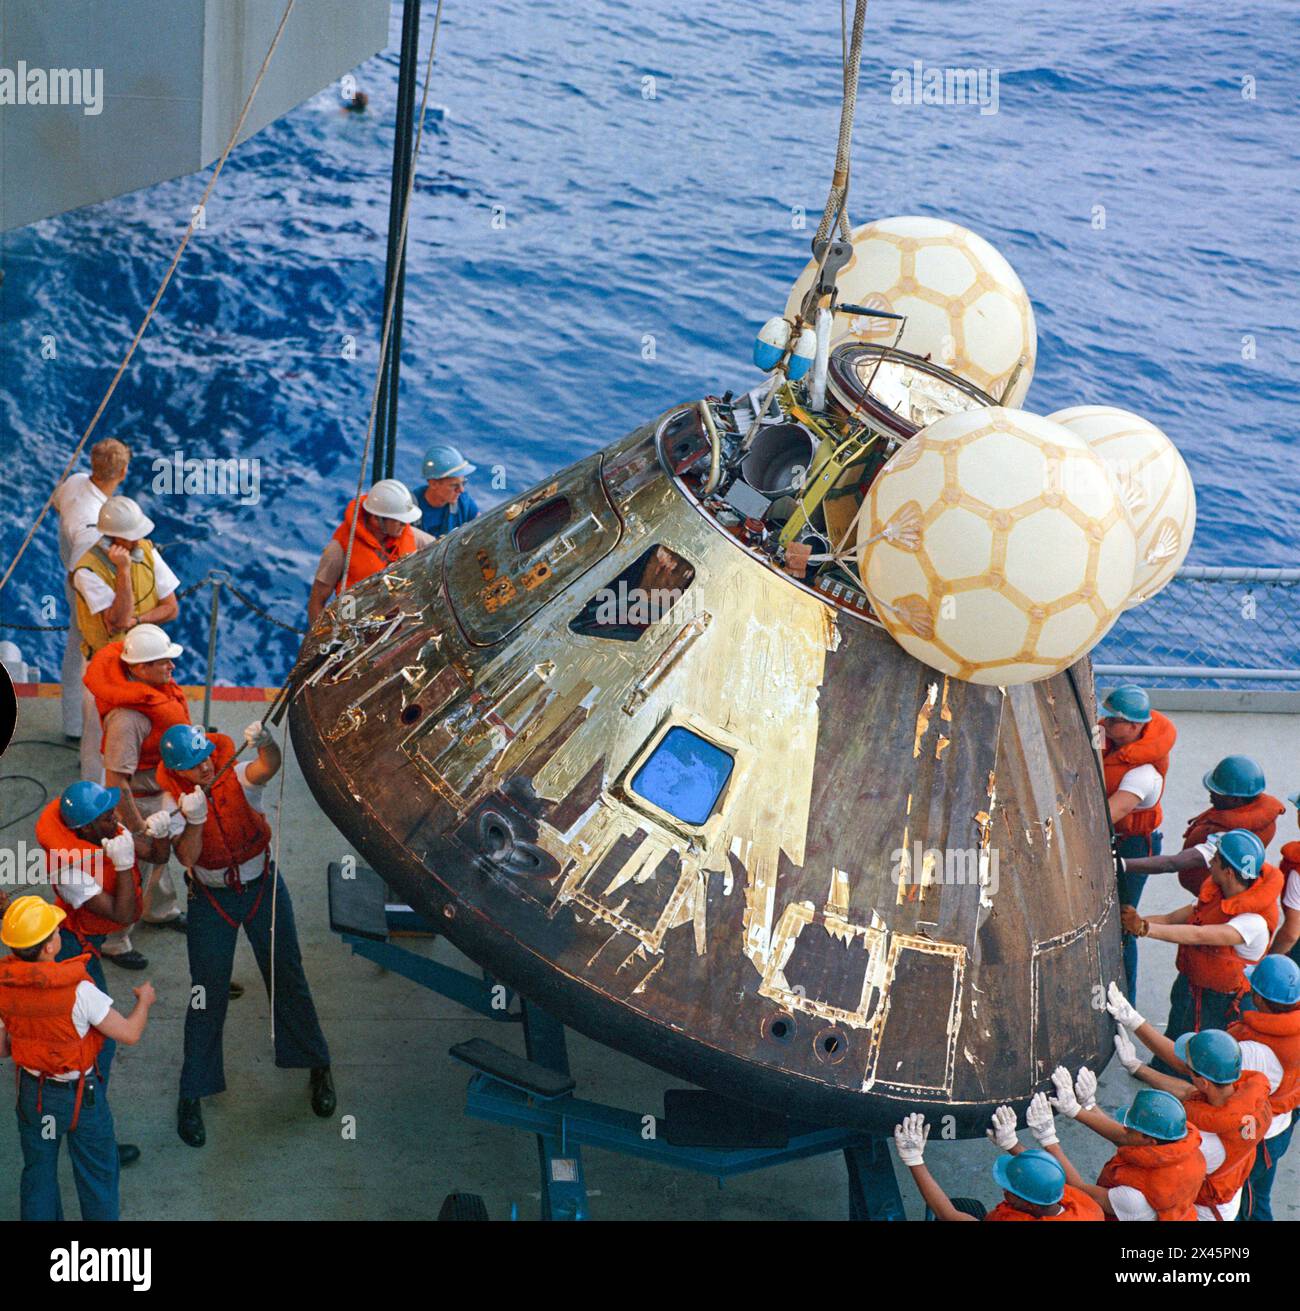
(221, 836)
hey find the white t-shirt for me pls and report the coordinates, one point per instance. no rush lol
(1129, 1203)
(77, 500)
(250, 869)
(1259, 1056)
(1291, 893)
(98, 595)
(1145, 783)
(330, 568)
(89, 1008)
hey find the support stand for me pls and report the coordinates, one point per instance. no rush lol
(535, 1093)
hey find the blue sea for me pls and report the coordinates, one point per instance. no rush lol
(608, 206)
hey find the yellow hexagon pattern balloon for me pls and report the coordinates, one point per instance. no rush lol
(966, 308)
(995, 548)
(1154, 482)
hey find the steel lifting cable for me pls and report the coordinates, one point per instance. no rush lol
(837, 200)
(391, 300)
(158, 295)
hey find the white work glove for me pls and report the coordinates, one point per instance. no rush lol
(1065, 1101)
(1123, 1010)
(1003, 1132)
(159, 824)
(120, 850)
(1126, 1051)
(194, 806)
(1085, 1088)
(1041, 1122)
(909, 1138)
(256, 736)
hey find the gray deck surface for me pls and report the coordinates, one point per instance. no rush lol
(268, 1157)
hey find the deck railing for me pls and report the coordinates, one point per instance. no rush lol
(1211, 628)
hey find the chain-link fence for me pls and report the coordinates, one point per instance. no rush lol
(1226, 628)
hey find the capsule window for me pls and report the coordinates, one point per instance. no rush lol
(542, 523)
(684, 775)
(640, 596)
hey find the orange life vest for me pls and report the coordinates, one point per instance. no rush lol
(1220, 969)
(1259, 815)
(1075, 1205)
(1241, 1123)
(370, 553)
(234, 831)
(1290, 857)
(1168, 1175)
(56, 837)
(107, 679)
(36, 1000)
(1152, 748)
(1279, 1031)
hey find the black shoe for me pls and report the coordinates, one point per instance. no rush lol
(126, 960)
(178, 923)
(127, 1154)
(189, 1122)
(323, 1100)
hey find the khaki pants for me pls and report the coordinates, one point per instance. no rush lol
(160, 901)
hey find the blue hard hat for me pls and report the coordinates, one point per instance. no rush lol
(1235, 776)
(1034, 1175)
(185, 745)
(444, 461)
(1128, 702)
(1241, 850)
(1294, 799)
(1157, 1114)
(1213, 1054)
(1276, 979)
(83, 803)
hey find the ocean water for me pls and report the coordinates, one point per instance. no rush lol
(588, 247)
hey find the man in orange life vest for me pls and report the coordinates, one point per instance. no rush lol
(384, 533)
(1033, 1183)
(1237, 801)
(92, 865)
(1227, 1102)
(1227, 928)
(1135, 761)
(1288, 936)
(1158, 1171)
(138, 700)
(55, 1021)
(1268, 1038)
(223, 839)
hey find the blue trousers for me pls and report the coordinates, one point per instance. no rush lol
(1257, 1200)
(1130, 893)
(1217, 1011)
(69, 947)
(299, 1042)
(91, 1145)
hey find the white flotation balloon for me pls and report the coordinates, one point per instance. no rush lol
(1153, 481)
(995, 548)
(966, 308)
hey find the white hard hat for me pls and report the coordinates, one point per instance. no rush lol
(389, 499)
(147, 642)
(120, 516)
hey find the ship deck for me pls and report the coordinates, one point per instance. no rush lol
(268, 1157)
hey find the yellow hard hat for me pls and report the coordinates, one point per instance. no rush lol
(28, 921)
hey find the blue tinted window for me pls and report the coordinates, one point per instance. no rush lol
(685, 775)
